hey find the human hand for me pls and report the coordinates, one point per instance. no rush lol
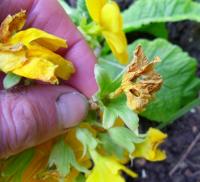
(30, 116)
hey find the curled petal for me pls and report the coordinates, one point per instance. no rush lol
(12, 57)
(140, 81)
(118, 44)
(149, 148)
(38, 69)
(11, 25)
(64, 68)
(33, 35)
(108, 168)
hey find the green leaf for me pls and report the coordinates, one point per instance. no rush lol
(113, 108)
(92, 117)
(74, 162)
(80, 178)
(156, 29)
(181, 112)
(82, 9)
(110, 146)
(86, 138)
(63, 157)
(111, 67)
(109, 117)
(125, 138)
(118, 108)
(59, 158)
(180, 85)
(16, 165)
(129, 117)
(103, 80)
(144, 12)
(106, 83)
(178, 70)
(11, 80)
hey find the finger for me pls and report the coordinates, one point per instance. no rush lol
(36, 114)
(49, 16)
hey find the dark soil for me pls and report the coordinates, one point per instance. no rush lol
(186, 34)
(180, 135)
(182, 132)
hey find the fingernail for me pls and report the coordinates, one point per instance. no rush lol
(71, 109)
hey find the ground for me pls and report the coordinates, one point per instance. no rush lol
(184, 134)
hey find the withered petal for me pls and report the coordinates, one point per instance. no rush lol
(11, 25)
(140, 81)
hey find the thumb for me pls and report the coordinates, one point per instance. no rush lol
(33, 115)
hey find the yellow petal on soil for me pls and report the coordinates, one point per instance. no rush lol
(111, 19)
(38, 69)
(11, 25)
(94, 7)
(149, 148)
(12, 57)
(33, 35)
(118, 44)
(64, 67)
(107, 169)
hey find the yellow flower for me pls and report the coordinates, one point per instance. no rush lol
(107, 15)
(149, 148)
(36, 170)
(139, 82)
(107, 169)
(30, 53)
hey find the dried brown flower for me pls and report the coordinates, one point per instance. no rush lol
(140, 81)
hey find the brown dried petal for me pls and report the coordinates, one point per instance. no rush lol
(11, 25)
(140, 81)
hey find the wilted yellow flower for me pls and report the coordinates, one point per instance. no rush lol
(139, 81)
(149, 148)
(107, 15)
(107, 169)
(29, 53)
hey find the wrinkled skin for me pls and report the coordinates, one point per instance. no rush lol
(30, 116)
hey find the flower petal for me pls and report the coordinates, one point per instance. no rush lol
(12, 57)
(33, 35)
(39, 69)
(149, 148)
(94, 8)
(64, 68)
(107, 169)
(11, 25)
(111, 19)
(118, 44)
